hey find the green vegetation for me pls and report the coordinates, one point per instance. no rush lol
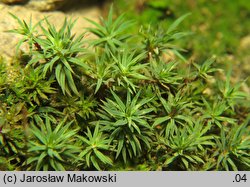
(219, 27)
(51, 149)
(122, 101)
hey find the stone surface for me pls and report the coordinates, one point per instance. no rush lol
(46, 5)
(13, 1)
(43, 5)
(8, 41)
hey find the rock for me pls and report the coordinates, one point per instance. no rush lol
(49, 5)
(13, 1)
(46, 5)
(8, 41)
(41, 5)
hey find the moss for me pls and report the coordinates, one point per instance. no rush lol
(136, 103)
